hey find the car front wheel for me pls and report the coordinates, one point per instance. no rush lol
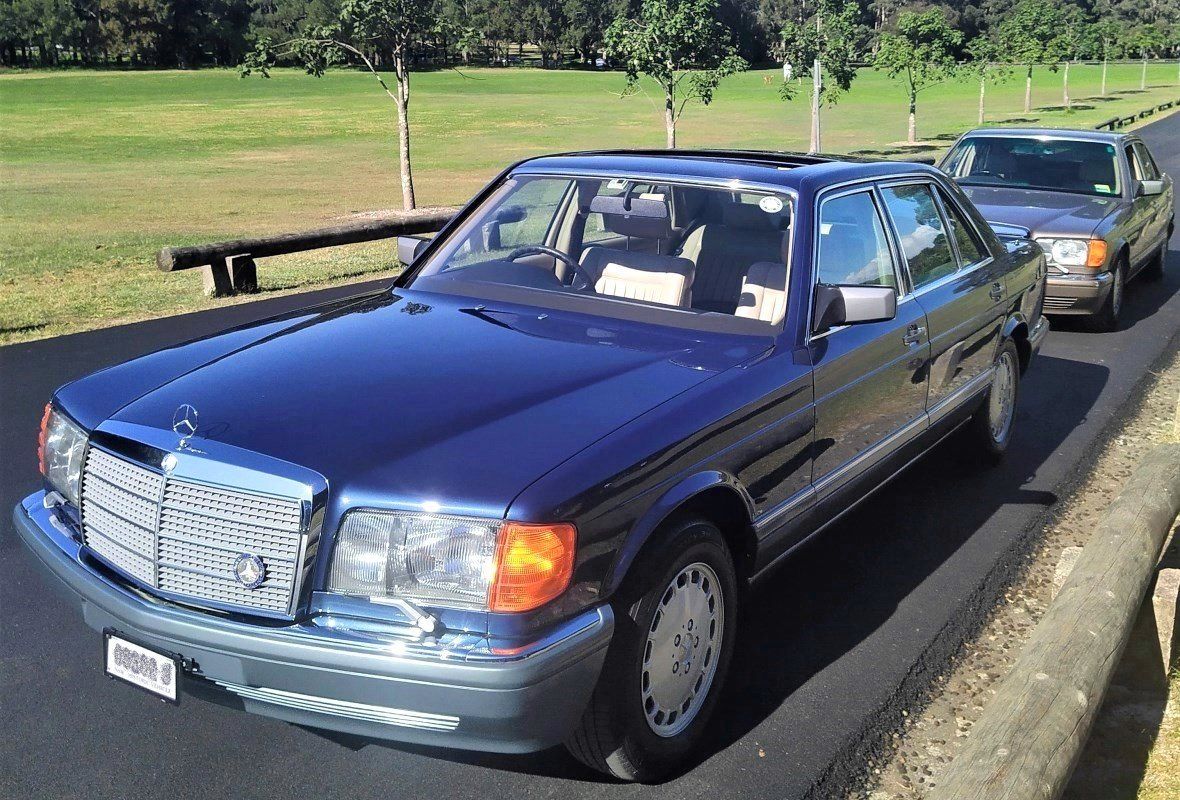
(1106, 318)
(674, 630)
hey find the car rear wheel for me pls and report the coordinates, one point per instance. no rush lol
(993, 422)
(674, 630)
(1106, 318)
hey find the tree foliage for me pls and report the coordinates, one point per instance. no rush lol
(833, 35)
(681, 46)
(921, 53)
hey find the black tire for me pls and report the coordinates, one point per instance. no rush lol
(1154, 270)
(985, 426)
(1106, 319)
(615, 735)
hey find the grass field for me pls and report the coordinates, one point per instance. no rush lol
(101, 169)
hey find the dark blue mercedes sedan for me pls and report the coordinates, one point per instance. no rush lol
(512, 500)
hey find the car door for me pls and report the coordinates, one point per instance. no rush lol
(1160, 205)
(956, 281)
(1139, 223)
(870, 386)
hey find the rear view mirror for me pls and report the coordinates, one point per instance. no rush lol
(409, 247)
(1150, 188)
(510, 214)
(849, 305)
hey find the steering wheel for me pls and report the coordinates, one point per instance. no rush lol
(565, 258)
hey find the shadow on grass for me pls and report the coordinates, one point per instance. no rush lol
(1072, 107)
(1015, 120)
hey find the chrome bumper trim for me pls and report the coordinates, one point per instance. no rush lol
(365, 712)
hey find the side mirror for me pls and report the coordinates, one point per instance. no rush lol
(849, 305)
(1149, 188)
(409, 248)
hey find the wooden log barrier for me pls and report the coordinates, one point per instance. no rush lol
(1028, 739)
(230, 267)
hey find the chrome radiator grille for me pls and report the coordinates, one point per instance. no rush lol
(183, 538)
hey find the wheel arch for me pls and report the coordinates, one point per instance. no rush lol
(715, 495)
(1016, 328)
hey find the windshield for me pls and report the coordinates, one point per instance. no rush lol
(662, 252)
(1056, 165)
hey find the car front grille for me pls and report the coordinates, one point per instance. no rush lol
(1059, 303)
(183, 538)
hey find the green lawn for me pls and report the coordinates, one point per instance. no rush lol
(101, 169)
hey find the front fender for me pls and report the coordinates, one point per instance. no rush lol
(673, 498)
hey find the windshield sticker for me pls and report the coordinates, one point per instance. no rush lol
(770, 204)
(1102, 187)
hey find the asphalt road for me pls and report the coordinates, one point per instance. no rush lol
(835, 646)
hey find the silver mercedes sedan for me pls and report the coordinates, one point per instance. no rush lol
(1094, 200)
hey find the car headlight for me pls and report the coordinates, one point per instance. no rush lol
(1075, 252)
(451, 561)
(59, 451)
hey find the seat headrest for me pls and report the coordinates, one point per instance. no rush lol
(745, 216)
(641, 217)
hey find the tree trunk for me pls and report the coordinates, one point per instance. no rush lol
(402, 74)
(1065, 86)
(982, 90)
(816, 87)
(669, 120)
(1103, 92)
(1028, 91)
(1143, 75)
(911, 133)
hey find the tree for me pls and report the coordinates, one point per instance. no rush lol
(1029, 33)
(363, 30)
(681, 46)
(1107, 43)
(1146, 40)
(586, 22)
(986, 66)
(823, 47)
(922, 53)
(1075, 39)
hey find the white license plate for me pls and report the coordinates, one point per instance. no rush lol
(140, 666)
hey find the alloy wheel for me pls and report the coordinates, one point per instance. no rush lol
(1002, 398)
(680, 655)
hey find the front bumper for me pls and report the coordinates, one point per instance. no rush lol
(1076, 294)
(325, 676)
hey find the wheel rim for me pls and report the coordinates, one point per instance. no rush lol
(1002, 398)
(680, 655)
(1116, 293)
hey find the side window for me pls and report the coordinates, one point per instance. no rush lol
(1147, 167)
(1133, 163)
(971, 250)
(922, 235)
(852, 245)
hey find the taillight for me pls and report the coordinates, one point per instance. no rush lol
(41, 436)
(534, 564)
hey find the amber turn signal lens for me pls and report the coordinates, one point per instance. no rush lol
(41, 436)
(1096, 256)
(534, 564)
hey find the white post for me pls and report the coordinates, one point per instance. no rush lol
(816, 86)
(1065, 86)
(982, 89)
(1143, 74)
(1103, 92)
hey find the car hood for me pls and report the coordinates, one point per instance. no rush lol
(1044, 213)
(416, 397)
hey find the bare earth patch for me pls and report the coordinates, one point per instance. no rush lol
(1137, 714)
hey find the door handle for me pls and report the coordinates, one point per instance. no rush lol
(913, 335)
(996, 292)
